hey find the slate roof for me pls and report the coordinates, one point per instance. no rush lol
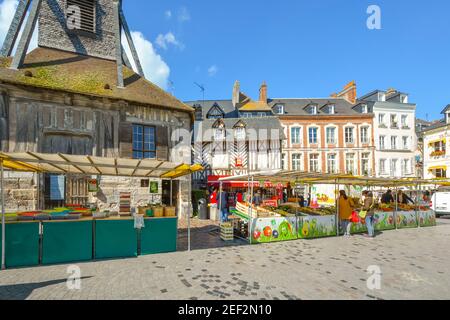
(298, 107)
(71, 72)
(261, 125)
(226, 106)
(255, 106)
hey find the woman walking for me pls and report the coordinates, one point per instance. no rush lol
(346, 206)
(368, 207)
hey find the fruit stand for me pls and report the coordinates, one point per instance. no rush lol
(75, 233)
(290, 221)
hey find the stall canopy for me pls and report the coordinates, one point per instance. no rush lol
(281, 176)
(88, 165)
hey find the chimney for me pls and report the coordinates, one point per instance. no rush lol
(263, 92)
(349, 93)
(236, 93)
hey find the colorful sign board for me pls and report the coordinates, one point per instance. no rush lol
(93, 185)
(266, 230)
(270, 203)
(311, 227)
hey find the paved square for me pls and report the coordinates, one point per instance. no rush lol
(414, 264)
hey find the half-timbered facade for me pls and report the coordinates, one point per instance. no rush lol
(77, 94)
(237, 136)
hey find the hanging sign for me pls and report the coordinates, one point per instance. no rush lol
(238, 163)
(57, 188)
(93, 185)
(154, 187)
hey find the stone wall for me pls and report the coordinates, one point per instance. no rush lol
(20, 191)
(53, 31)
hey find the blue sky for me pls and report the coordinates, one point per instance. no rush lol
(300, 48)
(303, 48)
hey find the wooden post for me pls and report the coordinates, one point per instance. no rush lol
(2, 197)
(118, 37)
(24, 42)
(133, 50)
(16, 25)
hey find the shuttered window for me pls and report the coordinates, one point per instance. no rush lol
(87, 14)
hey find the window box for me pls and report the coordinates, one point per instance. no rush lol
(438, 153)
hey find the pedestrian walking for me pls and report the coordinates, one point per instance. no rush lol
(368, 213)
(346, 206)
(222, 201)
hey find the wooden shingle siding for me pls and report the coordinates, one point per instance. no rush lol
(126, 140)
(162, 143)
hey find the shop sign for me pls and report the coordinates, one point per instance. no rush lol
(238, 163)
(93, 185)
(154, 187)
(270, 203)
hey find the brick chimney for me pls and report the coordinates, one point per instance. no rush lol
(263, 92)
(349, 93)
(236, 93)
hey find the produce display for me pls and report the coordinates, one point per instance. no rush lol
(66, 213)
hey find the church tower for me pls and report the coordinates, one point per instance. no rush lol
(85, 27)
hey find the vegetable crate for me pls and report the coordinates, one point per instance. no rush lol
(227, 232)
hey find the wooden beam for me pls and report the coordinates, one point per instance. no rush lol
(93, 164)
(156, 168)
(131, 43)
(137, 167)
(24, 42)
(118, 37)
(125, 59)
(16, 25)
(115, 167)
(42, 160)
(70, 164)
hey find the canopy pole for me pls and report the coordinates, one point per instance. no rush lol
(2, 194)
(171, 192)
(188, 207)
(417, 205)
(250, 220)
(336, 195)
(396, 207)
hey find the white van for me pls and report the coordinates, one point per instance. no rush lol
(440, 203)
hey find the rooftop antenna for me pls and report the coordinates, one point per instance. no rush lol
(202, 89)
(171, 87)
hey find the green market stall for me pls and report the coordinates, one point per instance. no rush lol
(61, 239)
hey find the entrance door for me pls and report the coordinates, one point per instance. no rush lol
(166, 192)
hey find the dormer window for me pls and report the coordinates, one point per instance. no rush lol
(215, 112)
(312, 109)
(279, 109)
(331, 109)
(81, 16)
(364, 108)
(381, 96)
(239, 131)
(404, 98)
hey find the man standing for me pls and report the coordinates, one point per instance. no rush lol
(222, 202)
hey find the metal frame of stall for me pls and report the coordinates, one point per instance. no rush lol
(334, 179)
(86, 165)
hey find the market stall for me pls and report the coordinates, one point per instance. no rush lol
(291, 221)
(79, 233)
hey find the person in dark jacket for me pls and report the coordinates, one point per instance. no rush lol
(387, 198)
(302, 201)
(222, 203)
(402, 198)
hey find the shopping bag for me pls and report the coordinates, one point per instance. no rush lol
(363, 214)
(355, 217)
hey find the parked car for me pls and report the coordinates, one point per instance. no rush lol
(440, 203)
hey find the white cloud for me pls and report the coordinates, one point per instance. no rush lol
(155, 69)
(168, 14)
(7, 11)
(164, 40)
(184, 15)
(212, 71)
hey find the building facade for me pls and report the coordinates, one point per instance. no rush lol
(234, 137)
(67, 97)
(395, 133)
(328, 135)
(436, 140)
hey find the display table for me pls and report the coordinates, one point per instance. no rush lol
(67, 241)
(115, 238)
(159, 235)
(22, 244)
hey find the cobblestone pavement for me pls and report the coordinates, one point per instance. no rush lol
(414, 264)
